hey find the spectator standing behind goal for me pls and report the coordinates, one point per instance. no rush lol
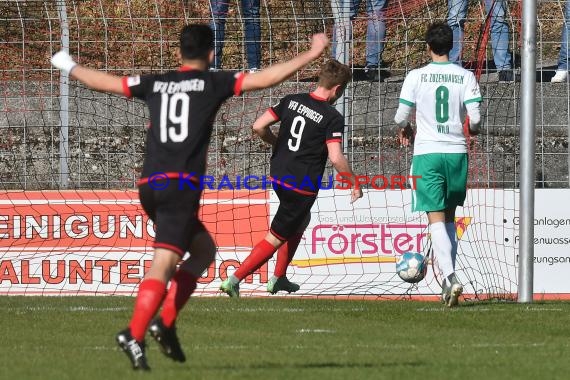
(311, 129)
(375, 33)
(500, 34)
(440, 92)
(250, 15)
(562, 69)
(182, 106)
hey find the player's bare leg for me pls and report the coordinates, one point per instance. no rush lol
(163, 329)
(150, 295)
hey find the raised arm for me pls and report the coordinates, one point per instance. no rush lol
(94, 79)
(341, 165)
(276, 74)
(261, 127)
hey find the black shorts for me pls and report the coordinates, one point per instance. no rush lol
(292, 211)
(174, 212)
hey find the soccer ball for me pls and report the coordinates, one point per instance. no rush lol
(411, 267)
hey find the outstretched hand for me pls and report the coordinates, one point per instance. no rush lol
(92, 78)
(63, 61)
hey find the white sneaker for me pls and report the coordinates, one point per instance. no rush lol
(451, 291)
(254, 70)
(560, 76)
(456, 291)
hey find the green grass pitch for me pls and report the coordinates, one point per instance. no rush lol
(291, 338)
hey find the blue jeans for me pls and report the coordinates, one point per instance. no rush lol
(375, 32)
(500, 35)
(250, 14)
(563, 58)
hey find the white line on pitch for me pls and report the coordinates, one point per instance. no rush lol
(476, 309)
(500, 345)
(67, 308)
(316, 331)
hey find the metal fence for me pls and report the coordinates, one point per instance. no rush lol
(104, 146)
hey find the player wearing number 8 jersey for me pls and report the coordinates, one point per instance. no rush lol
(310, 131)
(441, 93)
(182, 106)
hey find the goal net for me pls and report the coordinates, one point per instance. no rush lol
(70, 220)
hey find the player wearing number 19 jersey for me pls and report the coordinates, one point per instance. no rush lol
(441, 93)
(182, 106)
(310, 131)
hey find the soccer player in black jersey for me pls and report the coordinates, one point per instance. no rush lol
(182, 105)
(311, 130)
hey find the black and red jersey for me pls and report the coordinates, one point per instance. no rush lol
(308, 123)
(182, 106)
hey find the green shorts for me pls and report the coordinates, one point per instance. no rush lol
(443, 181)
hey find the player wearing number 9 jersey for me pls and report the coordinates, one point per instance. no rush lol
(441, 92)
(182, 105)
(311, 130)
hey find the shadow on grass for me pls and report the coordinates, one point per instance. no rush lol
(328, 364)
(359, 365)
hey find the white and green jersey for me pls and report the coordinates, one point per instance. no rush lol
(439, 92)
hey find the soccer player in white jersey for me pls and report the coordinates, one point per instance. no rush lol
(441, 93)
